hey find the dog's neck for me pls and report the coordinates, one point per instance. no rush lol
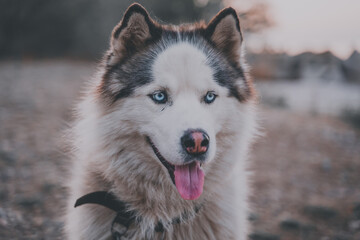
(156, 202)
(126, 218)
(151, 201)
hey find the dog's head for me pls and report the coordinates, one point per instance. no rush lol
(174, 92)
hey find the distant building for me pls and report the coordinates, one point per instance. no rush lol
(352, 67)
(306, 66)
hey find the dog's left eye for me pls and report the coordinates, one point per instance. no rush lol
(159, 97)
(209, 97)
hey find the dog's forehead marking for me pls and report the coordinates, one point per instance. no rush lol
(183, 65)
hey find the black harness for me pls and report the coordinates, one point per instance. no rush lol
(125, 218)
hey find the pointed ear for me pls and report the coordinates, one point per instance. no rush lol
(224, 32)
(134, 32)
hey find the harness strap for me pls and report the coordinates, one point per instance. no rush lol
(105, 199)
(108, 200)
(123, 216)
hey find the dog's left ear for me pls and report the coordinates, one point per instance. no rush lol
(224, 32)
(134, 32)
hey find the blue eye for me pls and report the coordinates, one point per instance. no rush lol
(159, 97)
(210, 97)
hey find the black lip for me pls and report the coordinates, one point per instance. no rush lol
(170, 167)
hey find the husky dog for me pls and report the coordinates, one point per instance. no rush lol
(162, 134)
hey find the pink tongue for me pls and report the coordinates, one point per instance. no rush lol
(189, 180)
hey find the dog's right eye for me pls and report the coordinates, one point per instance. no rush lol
(159, 97)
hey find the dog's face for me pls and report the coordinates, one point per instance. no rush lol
(178, 89)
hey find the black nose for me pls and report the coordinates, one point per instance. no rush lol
(195, 141)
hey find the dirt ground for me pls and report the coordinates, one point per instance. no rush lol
(306, 168)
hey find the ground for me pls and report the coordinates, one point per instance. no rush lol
(305, 168)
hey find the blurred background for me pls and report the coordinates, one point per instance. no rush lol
(306, 65)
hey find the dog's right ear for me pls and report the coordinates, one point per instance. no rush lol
(224, 32)
(134, 32)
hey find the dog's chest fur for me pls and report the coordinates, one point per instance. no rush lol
(218, 218)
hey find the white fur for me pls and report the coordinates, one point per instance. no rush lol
(110, 153)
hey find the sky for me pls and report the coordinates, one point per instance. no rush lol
(309, 25)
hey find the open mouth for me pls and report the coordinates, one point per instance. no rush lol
(188, 178)
(170, 167)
